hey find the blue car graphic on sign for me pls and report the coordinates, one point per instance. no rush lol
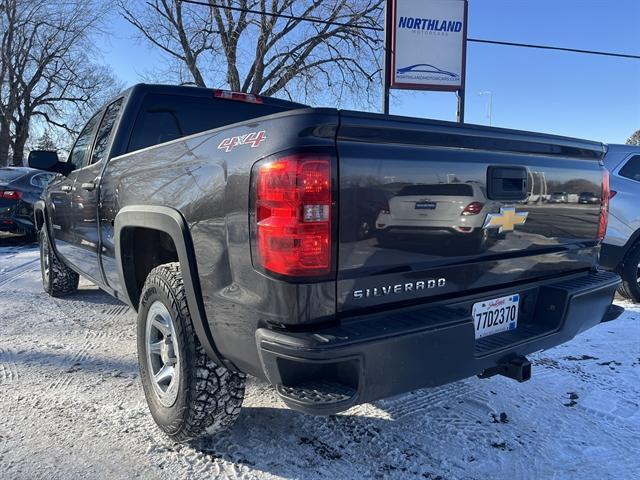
(426, 68)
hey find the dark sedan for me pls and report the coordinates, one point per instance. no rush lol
(20, 188)
(589, 198)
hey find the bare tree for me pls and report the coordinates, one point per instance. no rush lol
(46, 73)
(634, 139)
(268, 47)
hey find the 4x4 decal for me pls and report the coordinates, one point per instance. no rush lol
(254, 139)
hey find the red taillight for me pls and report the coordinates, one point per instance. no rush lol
(385, 208)
(604, 206)
(474, 208)
(10, 194)
(239, 96)
(293, 215)
(612, 194)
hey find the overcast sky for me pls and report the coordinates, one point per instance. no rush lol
(585, 96)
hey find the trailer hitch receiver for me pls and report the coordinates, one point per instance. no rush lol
(518, 368)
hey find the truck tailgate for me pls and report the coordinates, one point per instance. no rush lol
(434, 209)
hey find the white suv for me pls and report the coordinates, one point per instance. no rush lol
(621, 248)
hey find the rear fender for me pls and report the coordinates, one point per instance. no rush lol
(171, 222)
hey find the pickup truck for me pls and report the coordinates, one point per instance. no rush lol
(235, 226)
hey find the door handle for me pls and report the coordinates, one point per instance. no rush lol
(66, 188)
(88, 186)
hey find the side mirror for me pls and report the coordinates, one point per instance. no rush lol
(46, 160)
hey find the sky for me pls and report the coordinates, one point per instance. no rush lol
(570, 94)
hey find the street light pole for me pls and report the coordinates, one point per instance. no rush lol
(490, 113)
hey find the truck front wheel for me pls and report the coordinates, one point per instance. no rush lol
(57, 279)
(187, 393)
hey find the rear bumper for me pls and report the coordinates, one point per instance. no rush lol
(16, 218)
(611, 256)
(449, 225)
(364, 359)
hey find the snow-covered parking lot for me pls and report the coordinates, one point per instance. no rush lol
(71, 406)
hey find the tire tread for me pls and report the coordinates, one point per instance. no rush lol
(214, 394)
(62, 280)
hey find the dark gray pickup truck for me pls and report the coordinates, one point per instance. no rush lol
(341, 256)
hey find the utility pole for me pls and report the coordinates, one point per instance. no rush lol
(461, 99)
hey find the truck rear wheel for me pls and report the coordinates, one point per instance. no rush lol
(187, 393)
(630, 274)
(57, 279)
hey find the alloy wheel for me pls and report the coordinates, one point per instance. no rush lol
(163, 356)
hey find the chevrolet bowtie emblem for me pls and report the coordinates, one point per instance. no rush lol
(506, 220)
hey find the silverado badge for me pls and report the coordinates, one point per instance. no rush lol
(506, 220)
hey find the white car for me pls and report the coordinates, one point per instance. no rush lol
(453, 207)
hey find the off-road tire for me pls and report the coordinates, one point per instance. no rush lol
(630, 289)
(60, 279)
(209, 396)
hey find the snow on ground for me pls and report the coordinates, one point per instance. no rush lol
(72, 407)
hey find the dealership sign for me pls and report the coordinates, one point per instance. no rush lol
(428, 44)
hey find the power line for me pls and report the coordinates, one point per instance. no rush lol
(548, 47)
(380, 29)
(283, 15)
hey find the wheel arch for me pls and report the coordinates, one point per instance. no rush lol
(169, 221)
(632, 244)
(41, 219)
(39, 214)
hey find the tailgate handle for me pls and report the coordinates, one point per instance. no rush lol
(507, 183)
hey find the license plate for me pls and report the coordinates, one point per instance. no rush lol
(425, 205)
(496, 315)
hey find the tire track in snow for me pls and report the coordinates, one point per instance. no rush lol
(8, 276)
(68, 368)
(598, 395)
(7, 428)
(8, 367)
(419, 401)
(116, 311)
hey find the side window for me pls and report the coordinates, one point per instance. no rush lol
(154, 127)
(632, 169)
(83, 143)
(105, 130)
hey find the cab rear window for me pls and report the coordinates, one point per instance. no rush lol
(163, 118)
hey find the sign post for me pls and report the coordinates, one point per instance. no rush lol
(388, 48)
(425, 47)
